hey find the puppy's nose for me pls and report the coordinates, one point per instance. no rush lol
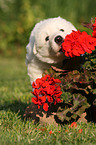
(58, 39)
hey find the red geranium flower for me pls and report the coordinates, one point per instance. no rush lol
(50, 132)
(80, 131)
(78, 43)
(73, 124)
(46, 89)
(94, 29)
(39, 100)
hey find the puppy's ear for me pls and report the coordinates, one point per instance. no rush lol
(31, 48)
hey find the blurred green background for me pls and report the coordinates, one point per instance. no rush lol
(18, 17)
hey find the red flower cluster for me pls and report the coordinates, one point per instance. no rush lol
(46, 90)
(78, 43)
(94, 29)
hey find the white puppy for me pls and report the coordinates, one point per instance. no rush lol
(43, 49)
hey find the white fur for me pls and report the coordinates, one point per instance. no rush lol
(41, 54)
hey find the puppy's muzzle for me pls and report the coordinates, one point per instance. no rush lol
(58, 39)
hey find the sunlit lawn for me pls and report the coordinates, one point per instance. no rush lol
(15, 96)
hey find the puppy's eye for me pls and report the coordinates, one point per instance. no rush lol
(47, 38)
(62, 30)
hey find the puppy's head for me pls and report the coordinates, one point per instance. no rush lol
(46, 39)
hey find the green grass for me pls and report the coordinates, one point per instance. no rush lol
(15, 96)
